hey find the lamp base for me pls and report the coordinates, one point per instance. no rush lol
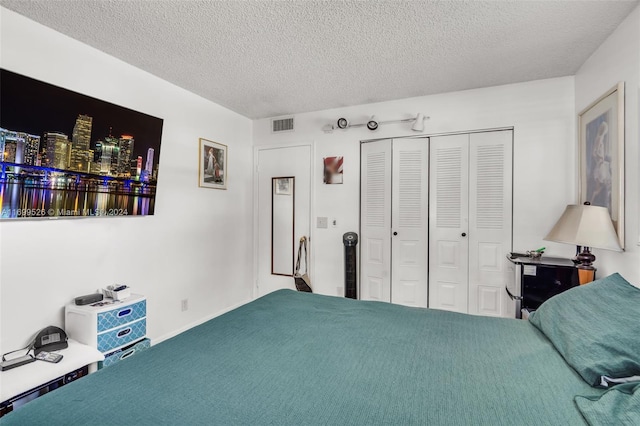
(586, 270)
(586, 258)
(585, 276)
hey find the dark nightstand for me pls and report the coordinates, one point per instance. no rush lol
(537, 280)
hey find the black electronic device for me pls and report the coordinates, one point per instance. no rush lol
(16, 362)
(18, 401)
(50, 339)
(49, 357)
(89, 299)
(350, 241)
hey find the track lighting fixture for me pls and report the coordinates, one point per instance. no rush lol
(373, 124)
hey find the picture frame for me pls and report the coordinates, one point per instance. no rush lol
(332, 170)
(283, 186)
(64, 154)
(212, 161)
(601, 155)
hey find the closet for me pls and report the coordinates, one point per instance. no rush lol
(436, 221)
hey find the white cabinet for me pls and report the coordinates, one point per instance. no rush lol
(109, 326)
(470, 226)
(21, 385)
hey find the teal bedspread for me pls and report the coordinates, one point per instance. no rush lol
(300, 358)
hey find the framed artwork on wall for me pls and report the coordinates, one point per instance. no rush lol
(66, 154)
(212, 165)
(332, 170)
(601, 155)
(283, 186)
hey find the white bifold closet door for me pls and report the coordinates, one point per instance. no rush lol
(470, 227)
(449, 222)
(375, 221)
(394, 199)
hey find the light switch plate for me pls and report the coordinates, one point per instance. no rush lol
(322, 222)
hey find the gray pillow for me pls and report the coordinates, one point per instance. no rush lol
(596, 328)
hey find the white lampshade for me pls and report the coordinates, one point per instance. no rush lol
(585, 225)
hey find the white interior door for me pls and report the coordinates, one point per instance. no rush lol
(295, 162)
(409, 242)
(490, 221)
(449, 222)
(375, 221)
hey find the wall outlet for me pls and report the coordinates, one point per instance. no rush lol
(322, 222)
(185, 305)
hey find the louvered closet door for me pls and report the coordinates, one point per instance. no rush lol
(490, 220)
(409, 222)
(448, 222)
(375, 221)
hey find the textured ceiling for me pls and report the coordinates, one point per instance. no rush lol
(269, 58)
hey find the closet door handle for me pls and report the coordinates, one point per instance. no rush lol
(395, 233)
(464, 234)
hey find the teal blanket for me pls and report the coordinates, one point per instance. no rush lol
(300, 358)
(620, 406)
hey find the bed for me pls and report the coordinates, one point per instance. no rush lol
(301, 358)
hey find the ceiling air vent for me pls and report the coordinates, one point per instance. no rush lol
(282, 125)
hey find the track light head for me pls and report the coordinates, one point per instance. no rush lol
(372, 124)
(418, 126)
(343, 123)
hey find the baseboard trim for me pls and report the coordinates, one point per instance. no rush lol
(197, 323)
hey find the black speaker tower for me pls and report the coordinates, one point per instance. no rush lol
(350, 241)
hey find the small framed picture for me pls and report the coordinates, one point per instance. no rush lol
(283, 186)
(212, 165)
(601, 155)
(332, 170)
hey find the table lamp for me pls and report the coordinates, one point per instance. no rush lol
(587, 226)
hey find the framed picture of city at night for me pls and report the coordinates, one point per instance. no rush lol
(64, 154)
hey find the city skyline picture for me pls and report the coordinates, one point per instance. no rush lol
(63, 153)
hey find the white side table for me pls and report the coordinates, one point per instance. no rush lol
(22, 379)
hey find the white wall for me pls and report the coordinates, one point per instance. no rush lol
(618, 59)
(541, 112)
(196, 246)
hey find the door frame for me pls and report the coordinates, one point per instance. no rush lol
(256, 216)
